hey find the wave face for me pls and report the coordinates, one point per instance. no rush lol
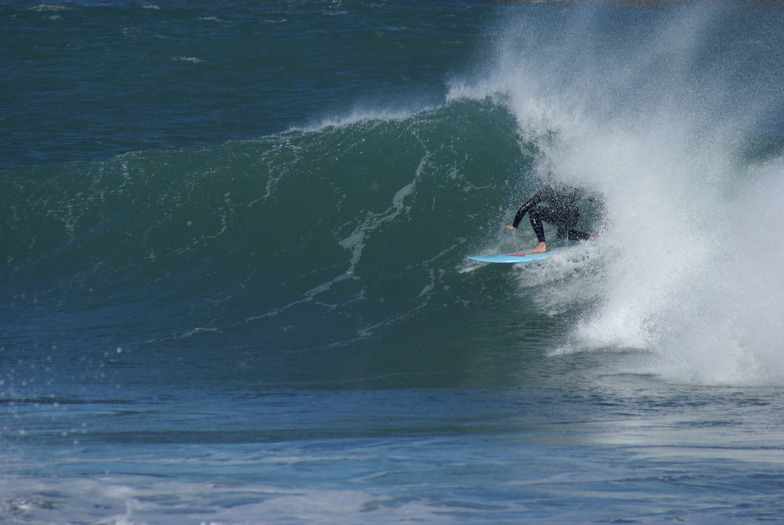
(336, 244)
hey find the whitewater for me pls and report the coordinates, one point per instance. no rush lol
(664, 133)
(234, 246)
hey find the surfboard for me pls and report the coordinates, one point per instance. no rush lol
(512, 258)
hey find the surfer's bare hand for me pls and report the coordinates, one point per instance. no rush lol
(510, 227)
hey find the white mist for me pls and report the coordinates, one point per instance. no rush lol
(693, 234)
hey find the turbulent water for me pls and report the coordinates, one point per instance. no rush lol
(235, 288)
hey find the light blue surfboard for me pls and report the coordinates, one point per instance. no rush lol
(512, 258)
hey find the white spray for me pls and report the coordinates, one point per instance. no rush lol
(693, 235)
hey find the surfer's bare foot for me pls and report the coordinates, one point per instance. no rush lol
(592, 237)
(540, 248)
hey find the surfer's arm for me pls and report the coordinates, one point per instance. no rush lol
(523, 210)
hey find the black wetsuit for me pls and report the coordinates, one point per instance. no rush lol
(562, 211)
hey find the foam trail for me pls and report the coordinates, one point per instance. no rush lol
(637, 113)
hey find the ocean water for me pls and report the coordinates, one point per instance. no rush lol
(234, 280)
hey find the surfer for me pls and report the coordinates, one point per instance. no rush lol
(562, 211)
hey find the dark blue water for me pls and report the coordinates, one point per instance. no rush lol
(234, 241)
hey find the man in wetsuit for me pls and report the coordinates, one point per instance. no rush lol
(562, 211)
